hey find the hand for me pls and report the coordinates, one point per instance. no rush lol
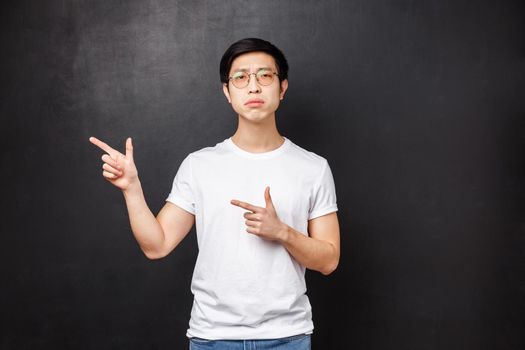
(119, 169)
(263, 222)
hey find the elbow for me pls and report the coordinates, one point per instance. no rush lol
(331, 266)
(153, 255)
(154, 252)
(333, 262)
(329, 269)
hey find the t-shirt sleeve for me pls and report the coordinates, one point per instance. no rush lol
(324, 200)
(182, 193)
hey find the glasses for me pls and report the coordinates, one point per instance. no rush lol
(241, 79)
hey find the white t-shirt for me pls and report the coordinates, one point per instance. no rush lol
(244, 286)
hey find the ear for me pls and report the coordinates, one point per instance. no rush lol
(284, 87)
(226, 92)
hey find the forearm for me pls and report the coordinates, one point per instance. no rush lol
(145, 227)
(312, 253)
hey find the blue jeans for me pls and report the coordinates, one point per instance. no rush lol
(295, 342)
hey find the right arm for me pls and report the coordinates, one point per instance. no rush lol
(156, 236)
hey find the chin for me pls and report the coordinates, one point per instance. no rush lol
(259, 115)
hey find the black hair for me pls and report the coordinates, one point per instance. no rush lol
(251, 45)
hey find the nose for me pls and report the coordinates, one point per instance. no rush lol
(253, 86)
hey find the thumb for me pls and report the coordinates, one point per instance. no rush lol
(268, 197)
(129, 148)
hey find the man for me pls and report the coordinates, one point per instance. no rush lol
(248, 282)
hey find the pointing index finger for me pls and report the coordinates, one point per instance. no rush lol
(104, 146)
(245, 205)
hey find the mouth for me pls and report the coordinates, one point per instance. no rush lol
(254, 103)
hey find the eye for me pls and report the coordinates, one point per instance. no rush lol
(238, 76)
(264, 73)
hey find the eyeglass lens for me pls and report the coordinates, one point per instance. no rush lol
(241, 79)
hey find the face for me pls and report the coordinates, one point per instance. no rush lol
(269, 95)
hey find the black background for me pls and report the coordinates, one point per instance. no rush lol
(418, 106)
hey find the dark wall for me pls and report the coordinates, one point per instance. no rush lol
(418, 106)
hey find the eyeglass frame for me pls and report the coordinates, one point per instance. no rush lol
(250, 78)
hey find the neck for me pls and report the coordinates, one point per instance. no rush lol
(259, 136)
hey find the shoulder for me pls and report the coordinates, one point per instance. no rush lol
(208, 153)
(308, 159)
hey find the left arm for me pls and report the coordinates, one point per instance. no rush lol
(320, 251)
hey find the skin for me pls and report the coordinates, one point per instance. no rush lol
(257, 132)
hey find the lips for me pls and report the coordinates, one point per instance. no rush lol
(254, 102)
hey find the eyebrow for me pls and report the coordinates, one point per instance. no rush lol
(246, 70)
